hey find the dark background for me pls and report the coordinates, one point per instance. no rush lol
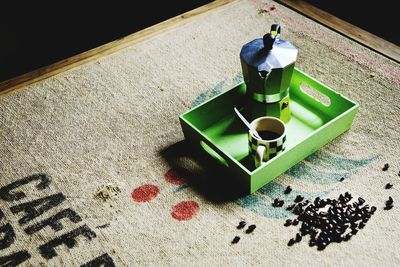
(37, 34)
(380, 18)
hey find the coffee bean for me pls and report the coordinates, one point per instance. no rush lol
(388, 207)
(322, 246)
(372, 210)
(295, 222)
(341, 179)
(288, 190)
(290, 207)
(390, 200)
(250, 229)
(288, 222)
(298, 198)
(385, 167)
(277, 203)
(298, 210)
(235, 240)
(348, 196)
(298, 237)
(241, 225)
(361, 201)
(291, 242)
(388, 186)
(347, 237)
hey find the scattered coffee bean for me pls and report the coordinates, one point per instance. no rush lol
(388, 204)
(347, 237)
(385, 167)
(295, 222)
(288, 190)
(322, 246)
(251, 228)
(288, 222)
(291, 242)
(290, 207)
(298, 198)
(398, 174)
(341, 179)
(388, 207)
(373, 209)
(235, 240)
(241, 225)
(298, 237)
(277, 203)
(388, 186)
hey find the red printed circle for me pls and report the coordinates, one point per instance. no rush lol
(172, 177)
(145, 193)
(185, 210)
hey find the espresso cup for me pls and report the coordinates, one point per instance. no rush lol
(273, 139)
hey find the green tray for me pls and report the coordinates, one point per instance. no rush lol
(214, 127)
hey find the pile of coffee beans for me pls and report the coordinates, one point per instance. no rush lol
(329, 220)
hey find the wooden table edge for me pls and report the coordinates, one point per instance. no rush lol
(355, 33)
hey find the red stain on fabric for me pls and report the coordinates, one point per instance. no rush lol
(145, 193)
(185, 210)
(172, 177)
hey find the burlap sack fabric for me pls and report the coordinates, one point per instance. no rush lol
(96, 149)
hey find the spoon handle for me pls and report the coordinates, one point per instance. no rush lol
(252, 130)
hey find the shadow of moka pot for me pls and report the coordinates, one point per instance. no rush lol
(267, 66)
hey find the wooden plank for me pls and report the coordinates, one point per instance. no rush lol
(109, 48)
(359, 35)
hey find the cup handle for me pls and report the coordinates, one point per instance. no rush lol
(260, 155)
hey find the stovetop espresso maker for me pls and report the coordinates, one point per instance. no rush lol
(267, 65)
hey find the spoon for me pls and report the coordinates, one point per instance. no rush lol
(252, 130)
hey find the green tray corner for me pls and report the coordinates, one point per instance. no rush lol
(214, 127)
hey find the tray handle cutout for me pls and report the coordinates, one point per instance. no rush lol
(213, 153)
(316, 94)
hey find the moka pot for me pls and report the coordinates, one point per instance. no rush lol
(267, 65)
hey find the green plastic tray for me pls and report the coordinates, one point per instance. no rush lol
(214, 127)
